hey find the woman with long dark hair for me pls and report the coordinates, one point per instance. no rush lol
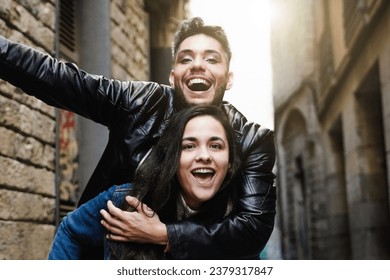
(187, 175)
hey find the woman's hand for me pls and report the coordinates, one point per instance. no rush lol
(141, 226)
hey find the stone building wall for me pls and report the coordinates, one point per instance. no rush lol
(27, 149)
(38, 168)
(332, 129)
(129, 40)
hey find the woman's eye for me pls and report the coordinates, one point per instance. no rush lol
(188, 147)
(216, 146)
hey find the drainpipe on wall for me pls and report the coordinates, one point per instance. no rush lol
(57, 127)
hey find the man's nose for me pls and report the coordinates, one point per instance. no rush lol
(198, 63)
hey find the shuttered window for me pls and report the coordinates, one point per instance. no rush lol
(67, 30)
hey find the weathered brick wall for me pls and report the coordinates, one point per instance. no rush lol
(27, 147)
(28, 126)
(341, 158)
(129, 40)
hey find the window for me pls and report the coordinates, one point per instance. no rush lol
(67, 30)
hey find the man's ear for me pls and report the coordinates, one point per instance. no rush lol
(229, 83)
(171, 79)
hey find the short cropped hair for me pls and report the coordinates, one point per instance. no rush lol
(194, 26)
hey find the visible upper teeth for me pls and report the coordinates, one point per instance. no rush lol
(203, 171)
(197, 81)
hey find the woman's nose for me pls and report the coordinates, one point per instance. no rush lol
(204, 155)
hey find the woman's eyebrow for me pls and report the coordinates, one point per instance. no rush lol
(192, 138)
(216, 138)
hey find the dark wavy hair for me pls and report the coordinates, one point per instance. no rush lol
(195, 26)
(156, 184)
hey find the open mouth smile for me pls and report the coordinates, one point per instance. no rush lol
(198, 84)
(203, 174)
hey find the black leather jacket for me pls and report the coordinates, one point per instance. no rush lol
(135, 114)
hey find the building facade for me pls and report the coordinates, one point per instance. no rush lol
(331, 85)
(46, 154)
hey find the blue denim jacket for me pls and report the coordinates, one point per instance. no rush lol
(82, 226)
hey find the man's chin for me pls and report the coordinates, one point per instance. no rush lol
(198, 102)
(182, 101)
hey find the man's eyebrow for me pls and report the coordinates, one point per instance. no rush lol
(185, 51)
(189, 51)
(213, 52)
